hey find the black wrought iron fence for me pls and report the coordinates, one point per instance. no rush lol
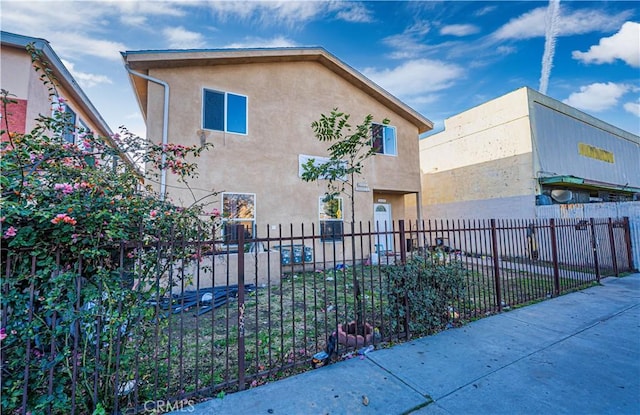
(172, 329)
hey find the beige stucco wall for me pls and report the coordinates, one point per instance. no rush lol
(283, 100)
(15, 71)
(483, 154)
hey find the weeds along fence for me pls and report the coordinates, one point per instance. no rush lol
(175, 321)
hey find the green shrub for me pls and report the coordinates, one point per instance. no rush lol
(423, 292)
(75, 299)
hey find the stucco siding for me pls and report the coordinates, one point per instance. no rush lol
(514, 207)
(283, 100)
(506, 177)
(15, 68)
(483, 153)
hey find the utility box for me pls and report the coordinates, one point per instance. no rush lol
(295, 254)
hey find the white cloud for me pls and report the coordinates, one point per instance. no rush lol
(353, 12)
(269, 13)
(485, 10)
(408, 44)
(255, 42)
(589, 21)
(72, 28)
(415, 78)
(35, 17)
(86, 80)
(289, 13)
(72, 43)
(624, 45)
(459, 29)
(532, 23)
(633, 108)
(181, 38)
(149, 7)
(598, 96)
(133, 20)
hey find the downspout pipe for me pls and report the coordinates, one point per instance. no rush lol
(165, 126)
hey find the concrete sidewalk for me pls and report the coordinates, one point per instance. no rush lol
(574, 354)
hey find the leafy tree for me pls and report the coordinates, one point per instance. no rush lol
(81, 259)
(348, 151)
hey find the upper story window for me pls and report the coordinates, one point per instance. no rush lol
(224, 111)
(70, 126)
(383, 139)
(68, 116)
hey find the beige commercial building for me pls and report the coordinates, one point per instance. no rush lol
(522, 154)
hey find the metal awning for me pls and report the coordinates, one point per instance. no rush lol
(578, 182)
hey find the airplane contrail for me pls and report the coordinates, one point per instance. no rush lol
(551, 32)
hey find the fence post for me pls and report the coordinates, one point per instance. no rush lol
(241, 347)
(612, 243)
(403, 262)
(496, 263)
(403, 241)
(627, 240)
(27, 357)
(554, 256)
(594, 246)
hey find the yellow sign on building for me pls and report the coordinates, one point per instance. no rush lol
(595, 153)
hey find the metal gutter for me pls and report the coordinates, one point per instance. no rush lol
(165, 124)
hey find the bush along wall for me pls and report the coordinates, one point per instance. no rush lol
(75, 296)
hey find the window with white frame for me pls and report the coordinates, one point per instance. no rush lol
(318, 161)
(383, 139)
(238, 209)
(331, 219)
(224, 111)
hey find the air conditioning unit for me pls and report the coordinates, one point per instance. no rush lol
(561, 195)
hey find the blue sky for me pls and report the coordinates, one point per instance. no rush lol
(440, 58)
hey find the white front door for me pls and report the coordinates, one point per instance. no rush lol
(382, 221)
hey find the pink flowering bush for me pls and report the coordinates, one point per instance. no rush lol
(79, 249)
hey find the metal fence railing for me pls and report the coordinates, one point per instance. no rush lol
(228, 317)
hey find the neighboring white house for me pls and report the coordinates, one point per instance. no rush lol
(31, 97)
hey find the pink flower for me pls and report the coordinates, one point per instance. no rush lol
(215, 212)
(63, 217)
(81, 185)
(65, 187)
(3, 334)
(153, 214)
(11, 232)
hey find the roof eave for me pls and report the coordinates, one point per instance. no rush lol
(145, 60)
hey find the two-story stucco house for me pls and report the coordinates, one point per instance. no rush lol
(31, 96)
(256, 106)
